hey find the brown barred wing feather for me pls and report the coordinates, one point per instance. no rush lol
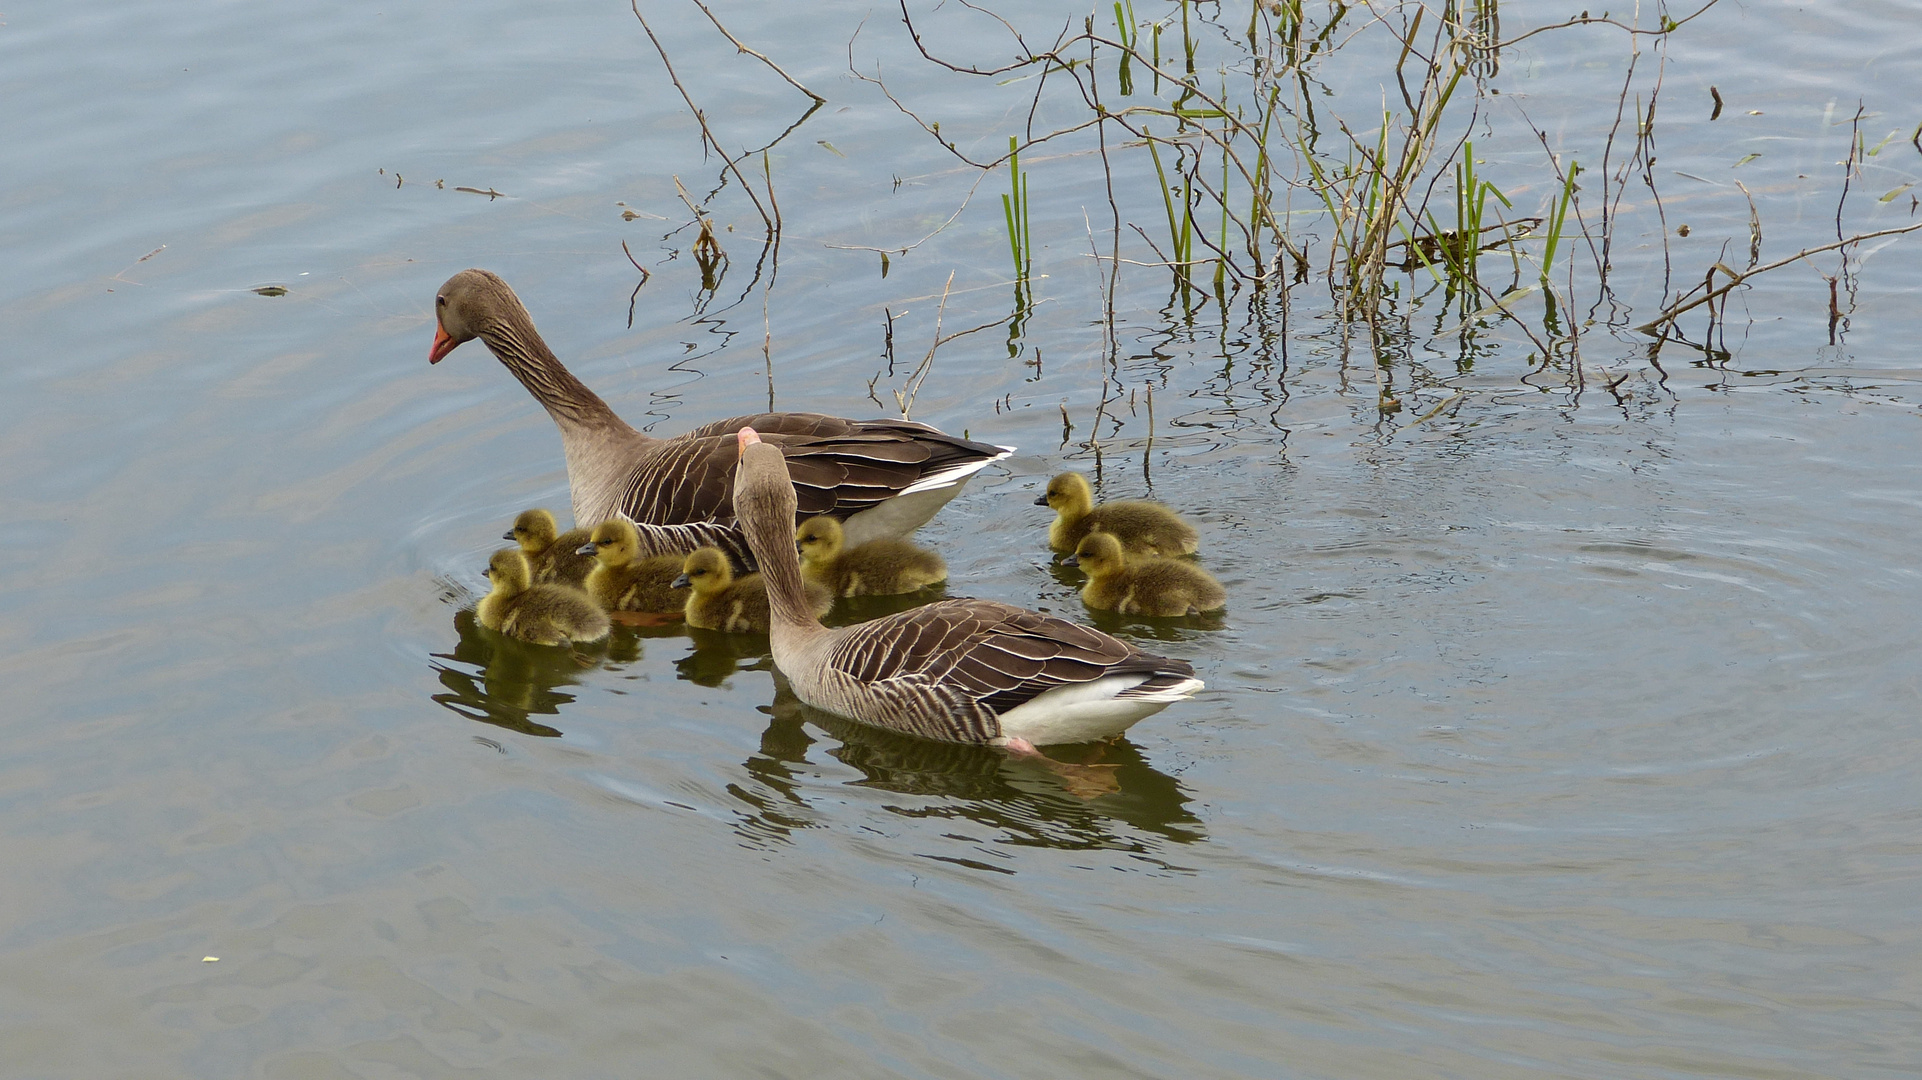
(995, 655)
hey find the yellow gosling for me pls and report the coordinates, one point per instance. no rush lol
(621, 581)
(885, 567)
(721, 601)
(1144, 528)
(545, 614)
(552, 555)
(1143, 584)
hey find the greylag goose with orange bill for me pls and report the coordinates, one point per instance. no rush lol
(966, 671)
(880, 477)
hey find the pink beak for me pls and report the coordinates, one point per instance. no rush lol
(748, 437)
(443, 344)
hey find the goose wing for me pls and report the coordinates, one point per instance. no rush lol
(947, 669)
(838, 466)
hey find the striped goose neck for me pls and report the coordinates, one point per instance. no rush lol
(767, 519)
(567, 399)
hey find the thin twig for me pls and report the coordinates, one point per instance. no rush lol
(818, 99)
(1670, 314)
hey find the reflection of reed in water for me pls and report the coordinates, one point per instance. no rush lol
(512, 680)
(1103, 795)
(1487, 28)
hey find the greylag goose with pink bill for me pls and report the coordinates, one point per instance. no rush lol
(882, 478)
(965, 671)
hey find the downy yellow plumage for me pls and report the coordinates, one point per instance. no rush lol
(545, 614)
(885, 567)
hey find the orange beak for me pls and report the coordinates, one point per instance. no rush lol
(748, 437)
(443, 344)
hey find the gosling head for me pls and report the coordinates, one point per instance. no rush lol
(464, 306)
(819, 539)
(1068, 493)
(705, 571)
(614, 542)
(508, 572)
(1099, 554)
(534, 530)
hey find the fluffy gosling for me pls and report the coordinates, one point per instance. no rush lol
(1144, 528)
(622, 582)
(721, 601)
(1143, 584)
(545, 614)
(885, 567)
(552, 555)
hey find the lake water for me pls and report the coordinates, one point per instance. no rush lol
(1550, 730)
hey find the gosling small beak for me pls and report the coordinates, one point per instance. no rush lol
(1041, 499)
(588, 548)
(508, 535)
(681, 583)
(444, 343)
(1072, 560)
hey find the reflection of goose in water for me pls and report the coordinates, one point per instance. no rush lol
(718, 655)
(497, 680)
(1021, 800)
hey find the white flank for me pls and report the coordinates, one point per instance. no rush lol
(1084, 712)
(915, 505)
(953, 475)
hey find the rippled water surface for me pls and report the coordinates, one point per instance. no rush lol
(1547, 732)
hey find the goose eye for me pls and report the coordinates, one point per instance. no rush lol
(441, 300)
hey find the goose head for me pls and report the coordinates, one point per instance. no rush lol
(470, 304)
(819, 539)
(1099, 555)
(705, 571)
(534, 530)
(764, 499)
(614, 542)
(1068, 494)
(508, 572)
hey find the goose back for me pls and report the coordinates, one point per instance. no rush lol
(954, 669)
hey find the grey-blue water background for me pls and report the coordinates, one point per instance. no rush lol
(1549, 736)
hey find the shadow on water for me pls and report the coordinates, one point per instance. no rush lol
(1100, 795)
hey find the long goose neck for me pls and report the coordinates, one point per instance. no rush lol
(573, 406)
(771, 537)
